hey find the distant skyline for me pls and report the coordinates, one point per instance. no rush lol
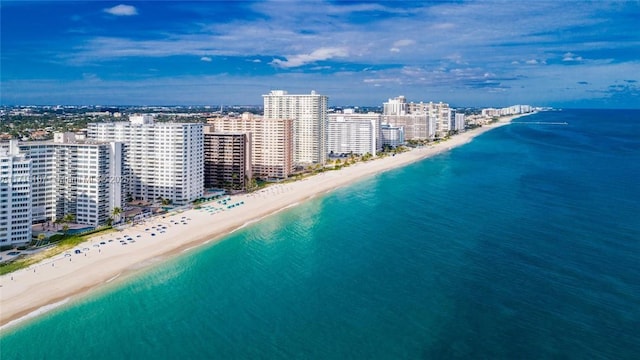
(466, 53)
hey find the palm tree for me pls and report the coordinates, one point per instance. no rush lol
(116, 213)
(41, 238)
(67, 218)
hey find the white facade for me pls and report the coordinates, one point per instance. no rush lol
(15, 197)
(397, 106)
(349, 132)
(87, 180)
(351, 137)
(392, 136)
(459, 122)
(43, 186)
(442, 114)
(161, 160)
(309, 115)
(68, 176)
(511, 110)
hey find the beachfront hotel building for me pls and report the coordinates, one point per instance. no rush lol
(441, 115)
(161, 160)
(72, 175)
(414, 120)
(416, 126)
(352, 133)
(271, 142)
(88, 175)
(309, 115)
(391, 135)
(506, 111)
(227, 160)
(458, 122)
(15, 197)
(419, 120)
(396, 106)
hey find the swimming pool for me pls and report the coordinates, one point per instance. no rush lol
(78, 231)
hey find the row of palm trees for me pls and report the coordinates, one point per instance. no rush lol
(69, 218)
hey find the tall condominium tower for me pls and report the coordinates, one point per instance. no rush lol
(397, 106)
(161, 160)
(309, 115)
(419, 120)
(271, 142)
(73, 176)
(350, 132)
(227, 159)
(15, 197)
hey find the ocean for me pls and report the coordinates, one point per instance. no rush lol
(523, 244)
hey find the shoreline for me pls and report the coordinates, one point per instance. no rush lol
(28, 293)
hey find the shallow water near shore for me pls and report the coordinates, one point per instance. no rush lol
(524, 243)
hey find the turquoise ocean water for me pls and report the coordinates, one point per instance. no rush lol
(524, 244)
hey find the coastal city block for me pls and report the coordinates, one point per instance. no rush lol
(108, 166)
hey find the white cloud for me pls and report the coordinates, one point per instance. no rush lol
(206, 59)
(533, 62)
(401, 43)
(571, 57)
(122, 10)
(316, 55)
(308, 35)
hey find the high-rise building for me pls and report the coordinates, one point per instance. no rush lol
(416, 126)
(419, 120)
(511, 110)
(392, 136)
(458, 121)
(161, 160)
(442, 117)
(15, 197)
(271, 142)
(350, 132)
(88, 178)
(74, 177)
(309, 115)
(227, 160)
(397, 106)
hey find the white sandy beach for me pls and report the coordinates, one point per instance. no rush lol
(67, 276)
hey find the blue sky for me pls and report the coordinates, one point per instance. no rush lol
(467, 53)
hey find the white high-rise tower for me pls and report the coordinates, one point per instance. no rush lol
(161, 160)
(15, 197)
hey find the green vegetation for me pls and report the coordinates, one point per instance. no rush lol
(61, 243)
